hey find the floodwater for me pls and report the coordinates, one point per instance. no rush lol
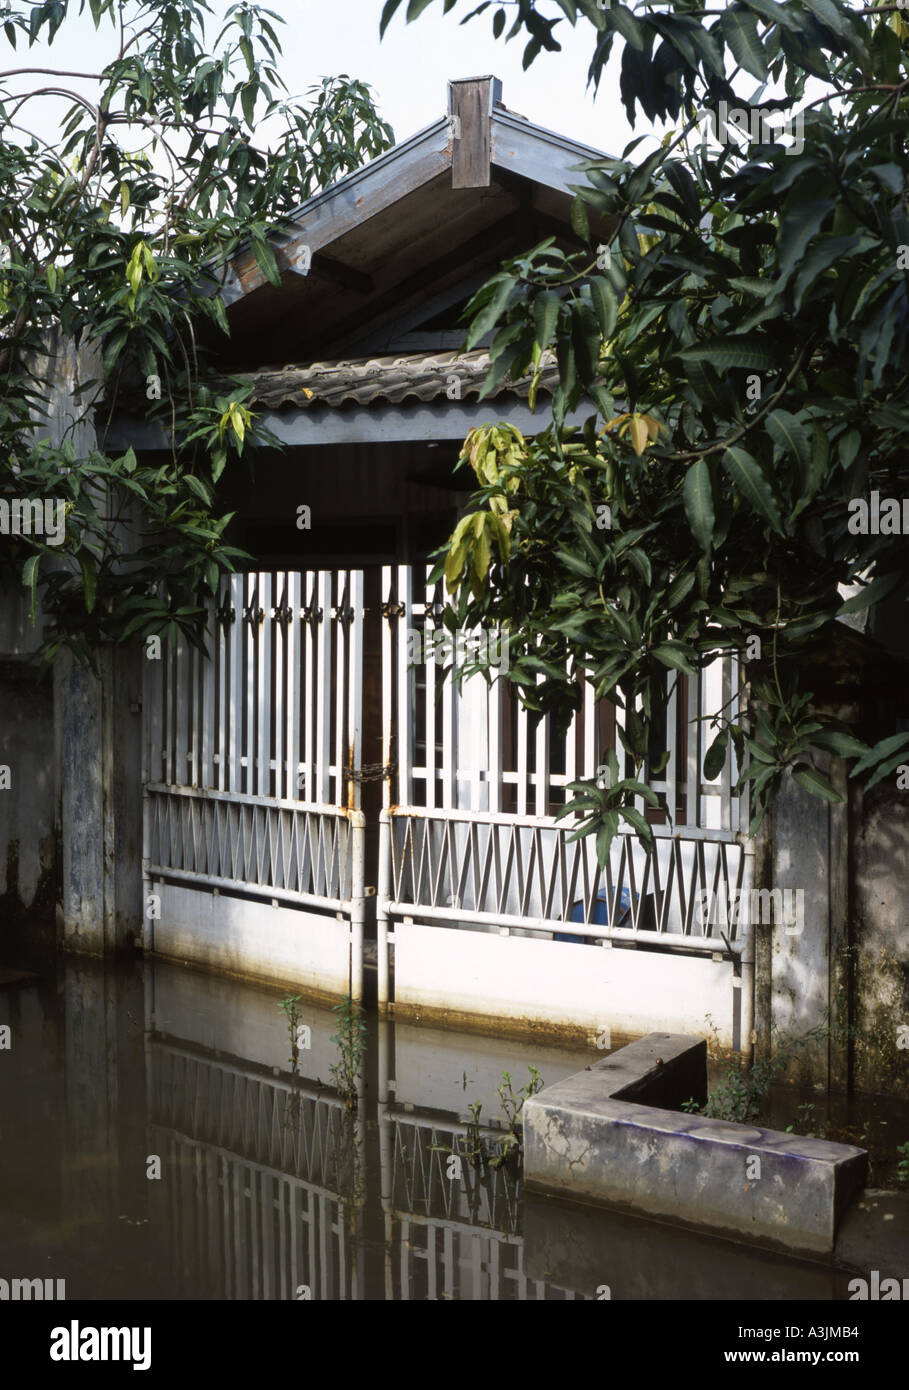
(158, 1141)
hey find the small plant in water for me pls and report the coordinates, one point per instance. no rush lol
(512, 1105)
(483, 1152)
(742, 1089)
(351, 1041)
(902, 1170)
(289, 1007)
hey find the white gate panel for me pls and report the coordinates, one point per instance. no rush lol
(253, 938)
(252, 784)
(572, 988)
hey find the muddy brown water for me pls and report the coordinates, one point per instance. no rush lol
(157, 1141)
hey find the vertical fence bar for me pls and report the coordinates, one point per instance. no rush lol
(355, 683)
(283, 786)
(207, 778)
(235, 710)
(292, 708)
(263, 688)
(309, 705)
(672, 764)
(250, 703)
(726, 774)
(170, 658)
(541, 763)
(693, 776)
(195, 722)
(340, 581)
(182, 692)
(323, 693)
(429, 669)
(388, 676)
(494, 716)
(405, 689)
(523, 737)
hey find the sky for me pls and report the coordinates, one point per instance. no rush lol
(409, 69)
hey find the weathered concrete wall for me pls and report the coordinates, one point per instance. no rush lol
(28, 839)
(846, 972)
(880, 940)
(601, 1136)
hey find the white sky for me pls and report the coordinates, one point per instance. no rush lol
(408, 69)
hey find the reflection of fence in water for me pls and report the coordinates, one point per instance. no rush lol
(263, 1118)
(451, 1237)
(478, 1196)
(254, 1171)
(240, 1230)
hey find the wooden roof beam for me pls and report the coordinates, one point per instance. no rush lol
(470, 104)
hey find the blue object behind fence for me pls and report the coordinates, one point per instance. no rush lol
(600, 918)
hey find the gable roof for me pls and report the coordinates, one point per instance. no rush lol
(409, 228)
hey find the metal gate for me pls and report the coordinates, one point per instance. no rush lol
(485, 905)
(255, 840)
(251, 783)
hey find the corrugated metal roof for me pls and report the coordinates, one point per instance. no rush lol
(360, 381)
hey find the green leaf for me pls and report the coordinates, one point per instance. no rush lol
(843, 744)
(488, 317)
(265, 259)
(670, 654)
(748, 478)
(715, 757)
(604, 303)
(579, 223)
(30, 580)
(883, 749)
(641, 825)
(545, 316)
(811, 781)
(89, 579)
(698, 498)
(198, 487)
(731, 351)
(739, 29)
(871, 593)
(388, 12)
(799, 224)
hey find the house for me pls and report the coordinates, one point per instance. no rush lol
(309, 791)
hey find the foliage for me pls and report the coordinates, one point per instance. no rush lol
(113, 239)
(735, 333)
(477, 1148)
(351, 1041)
(288, 1006)
(903, 1165)
(740, 1092)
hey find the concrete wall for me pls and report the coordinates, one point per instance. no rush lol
(879, 947)
(29, 861)
(847, 972)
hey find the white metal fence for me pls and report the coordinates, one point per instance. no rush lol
(470, 839)
(254, 752)
(254, 766)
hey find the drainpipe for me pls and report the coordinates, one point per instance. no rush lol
(382, 900)
(357, 822)
(746, 1041)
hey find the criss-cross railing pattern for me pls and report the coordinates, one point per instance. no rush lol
(269, 1121)
(297, 852)
(241, 1230)
(523, 874)
(421, 1183)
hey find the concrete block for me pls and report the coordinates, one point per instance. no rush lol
(594, 1136)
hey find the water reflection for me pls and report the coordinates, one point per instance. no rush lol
(269, 1186)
